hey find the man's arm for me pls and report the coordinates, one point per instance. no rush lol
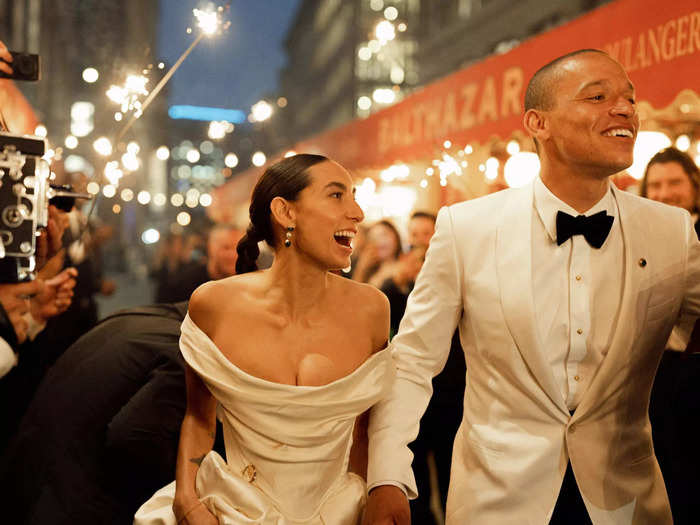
(420, 350)
(691, 300)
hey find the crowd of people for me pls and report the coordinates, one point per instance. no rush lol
(333, 386)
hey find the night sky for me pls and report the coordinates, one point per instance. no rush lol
(233, 70)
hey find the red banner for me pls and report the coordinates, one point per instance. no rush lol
(658, 43)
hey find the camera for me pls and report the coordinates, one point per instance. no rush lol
(25, 195)
(25, 66)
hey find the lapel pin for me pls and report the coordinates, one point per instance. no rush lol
(642, 262)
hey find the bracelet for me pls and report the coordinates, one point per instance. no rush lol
(184, 517)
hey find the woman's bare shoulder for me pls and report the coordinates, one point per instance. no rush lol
(366, 299)
(214, 299)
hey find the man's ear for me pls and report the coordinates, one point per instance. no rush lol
(283, 212)
(536, 124)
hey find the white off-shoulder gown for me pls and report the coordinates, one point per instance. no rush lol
(287, 446)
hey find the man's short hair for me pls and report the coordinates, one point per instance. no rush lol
(540, 89)
(423, 215)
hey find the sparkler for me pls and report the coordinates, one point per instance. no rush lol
(211, 22)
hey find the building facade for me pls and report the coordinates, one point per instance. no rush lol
(350, 58)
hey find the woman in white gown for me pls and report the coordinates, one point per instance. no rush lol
(288, 358)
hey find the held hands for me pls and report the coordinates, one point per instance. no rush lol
(195, 514)
(15, 299)
(49, 242)
(56, 296)
(387, 505)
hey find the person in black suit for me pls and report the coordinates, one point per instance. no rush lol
(102, 431)
(220, 262)
(673, 178)
(444, 413)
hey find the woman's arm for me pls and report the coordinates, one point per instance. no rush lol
(196, 440)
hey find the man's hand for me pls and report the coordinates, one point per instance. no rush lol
(387, 505)
(15, 301)
(56, 296)
(49, 242)
(7, 57)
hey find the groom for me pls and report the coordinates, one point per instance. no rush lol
(561, 318)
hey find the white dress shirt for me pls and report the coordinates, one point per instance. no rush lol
(576, 291)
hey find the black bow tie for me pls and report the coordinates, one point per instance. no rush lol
(594, 229)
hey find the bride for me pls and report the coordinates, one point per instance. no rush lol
(287, 358)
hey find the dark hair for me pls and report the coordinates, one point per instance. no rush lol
(672, 154)
(423, 215)
(286, 179)
(538, 94)
(394, 232)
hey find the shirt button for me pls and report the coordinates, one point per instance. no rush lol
(578, 277)
(577, 378)
(572, 428)
(579, 331)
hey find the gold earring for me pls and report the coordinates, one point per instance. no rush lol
(288, 235)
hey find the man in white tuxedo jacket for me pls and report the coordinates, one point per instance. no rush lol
(564, 292)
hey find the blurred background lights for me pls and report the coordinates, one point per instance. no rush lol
(364, 53)
(127, 194)
(206, 147)
(391, 13)
(513, 147)
(71, 142)
(103, 146)
(109, 191)
(647, 145)
(397, 74)
(217, 129)
(261, 111)
(205, 199)
(468, 149)
(192, 156)
(424, 183)
(40, 131)
(376, 5)
(384, 95)
(231, 160)
(150, 236)
(163, 153)
(133, 148)
(143, 197)
(130, 162)
(385, 31)
(364, 102)
(159, 199)
(183, 218)
(176, 199)
(492, 165)
(116, 208)
(259, 158)
(683, 142)
(93, 188)
(374, 45)
(90, 75)
(521, 168)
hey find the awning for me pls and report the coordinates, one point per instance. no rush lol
(658, 43)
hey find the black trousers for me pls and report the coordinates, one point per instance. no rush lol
(570, 509)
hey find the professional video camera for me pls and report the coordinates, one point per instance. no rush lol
(25, 195)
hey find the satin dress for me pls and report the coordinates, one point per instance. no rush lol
(287, 446)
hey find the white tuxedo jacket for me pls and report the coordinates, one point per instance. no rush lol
(517, 435)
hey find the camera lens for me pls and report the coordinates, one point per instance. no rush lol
(24, 64)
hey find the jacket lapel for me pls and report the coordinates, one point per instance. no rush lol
(633, 305)
(514, 269)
